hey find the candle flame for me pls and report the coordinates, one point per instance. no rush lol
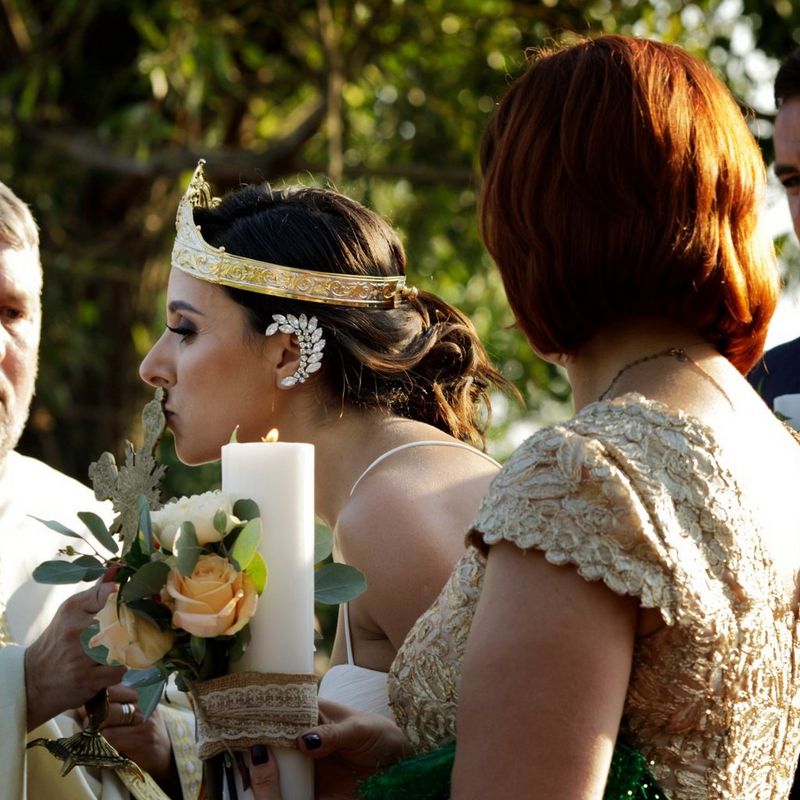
(272, 436)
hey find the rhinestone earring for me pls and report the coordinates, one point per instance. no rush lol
(309, 337)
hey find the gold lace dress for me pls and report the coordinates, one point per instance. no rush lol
(637, 495)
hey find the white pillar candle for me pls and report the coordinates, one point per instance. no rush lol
(279, 477)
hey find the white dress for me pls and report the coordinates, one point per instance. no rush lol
(29, 487)
(350, 684)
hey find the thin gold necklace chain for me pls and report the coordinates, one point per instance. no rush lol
(670, 352)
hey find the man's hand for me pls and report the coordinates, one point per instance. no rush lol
(145, 741)
(58, 674)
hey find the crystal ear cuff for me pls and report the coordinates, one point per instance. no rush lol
(309, 337)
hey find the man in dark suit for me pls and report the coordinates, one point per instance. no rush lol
(777, 376)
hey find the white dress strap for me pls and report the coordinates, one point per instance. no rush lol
(421, 443)
(347, 640)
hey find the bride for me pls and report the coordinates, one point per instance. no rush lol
(288, 309)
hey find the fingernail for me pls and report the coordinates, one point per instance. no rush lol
(259, 754)
(312, 741)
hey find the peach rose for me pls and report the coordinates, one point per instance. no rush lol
(215, 600)
(131, 640)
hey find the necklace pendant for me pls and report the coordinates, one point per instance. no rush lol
(679, 353)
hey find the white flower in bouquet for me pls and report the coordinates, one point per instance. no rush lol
(215, 600)
(199, 509)
(131, 640)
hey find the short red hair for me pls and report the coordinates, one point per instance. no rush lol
(620, 180)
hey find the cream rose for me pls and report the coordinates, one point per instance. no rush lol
(199, 509)
(215, 600)
(131, 640)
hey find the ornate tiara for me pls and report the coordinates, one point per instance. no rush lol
(195, 256)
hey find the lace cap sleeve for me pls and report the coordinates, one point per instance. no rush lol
(564, 493)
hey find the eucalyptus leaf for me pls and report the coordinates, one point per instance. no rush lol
(99, 653)
(152, 611)
(134, 678)
(59, 528)
(246, 509)
(145, 524)
(148, 580)
(95, 568)
(257, 570)
(221, 521)
(246, 545)
(197, 645)
(149, 696)
(186, 548)
(99, 530)
(234, 436)
(338, 583)
(323, 541)
(62, 572)
(241, 640)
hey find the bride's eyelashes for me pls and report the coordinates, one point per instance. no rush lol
(182, 330)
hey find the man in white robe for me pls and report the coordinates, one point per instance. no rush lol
(43, 671)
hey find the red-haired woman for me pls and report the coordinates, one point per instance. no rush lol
(633, 572)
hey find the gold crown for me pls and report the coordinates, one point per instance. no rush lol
(195, 256)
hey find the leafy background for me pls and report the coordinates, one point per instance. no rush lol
(105, 106)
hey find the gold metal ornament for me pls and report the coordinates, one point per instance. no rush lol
(140, 475)
(193, 255)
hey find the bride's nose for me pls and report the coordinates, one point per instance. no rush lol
(156, 368)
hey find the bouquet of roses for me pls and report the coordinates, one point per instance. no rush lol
(188, 587)
(189, 575)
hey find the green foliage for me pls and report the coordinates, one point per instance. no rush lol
(83, 568)
(384, 99)
(337, 583)
(187, 548)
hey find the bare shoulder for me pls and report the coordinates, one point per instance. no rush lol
(426, 493)
(404, 529)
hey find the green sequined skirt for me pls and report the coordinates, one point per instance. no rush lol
(427, 777)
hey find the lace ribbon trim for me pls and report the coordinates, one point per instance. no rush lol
(243, 709)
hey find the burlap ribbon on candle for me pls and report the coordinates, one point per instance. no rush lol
(243, 709)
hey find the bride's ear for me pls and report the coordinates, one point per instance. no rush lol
(285, 355)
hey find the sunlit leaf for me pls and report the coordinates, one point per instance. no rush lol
(258, 572)
(246, 544)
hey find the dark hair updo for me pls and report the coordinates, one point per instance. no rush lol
(422, 360)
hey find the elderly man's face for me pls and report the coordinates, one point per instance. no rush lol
(787, 154)
(20, 323)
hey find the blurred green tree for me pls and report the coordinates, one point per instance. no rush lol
(105, 105)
